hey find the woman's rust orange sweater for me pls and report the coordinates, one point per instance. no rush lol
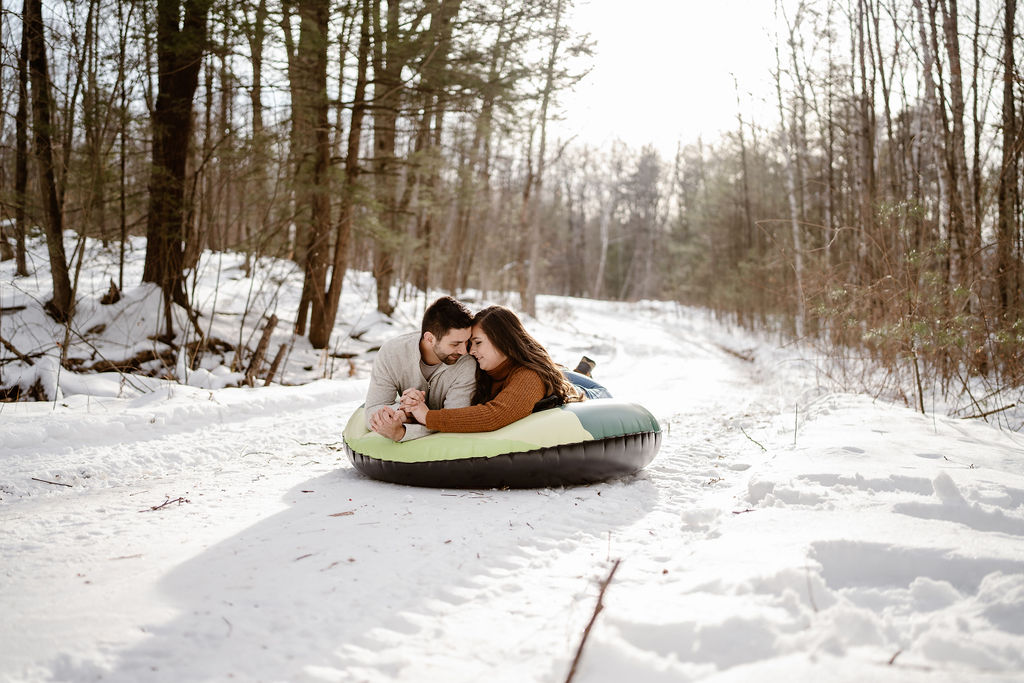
(516, 391)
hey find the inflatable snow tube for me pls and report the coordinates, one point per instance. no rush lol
(578, 443)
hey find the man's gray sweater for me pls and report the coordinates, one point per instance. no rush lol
(397, 368)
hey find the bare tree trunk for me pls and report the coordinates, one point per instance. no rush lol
(866, 178)
(294, 239)
(199, 220)
(473, 186)
(310, 113)
(61, 305)
(1006, 223)
(348, 19)
(256, 37)
(576, 261)
(526, 233)
(258, 158)
(93, 211)
(967, 237)
(122, 22)
(933, 125)
(604, 240)
(180, 49)
(829, 138)
(319, 333)
(6, 250)
(225, 220)
(387, 92)
(978, 125)
(790, 175)
(748, 221)
(894, 169)
(433, 86)
(528, 289)
(955, 263)
(21, 159)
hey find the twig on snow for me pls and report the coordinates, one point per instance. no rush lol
(55, 483)
(752, 439)
(10, 347)
(988, 412)
(597, 610)
(179, 500)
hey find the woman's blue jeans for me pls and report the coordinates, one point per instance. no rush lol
(588, 386)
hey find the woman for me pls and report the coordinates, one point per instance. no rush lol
(514, 373)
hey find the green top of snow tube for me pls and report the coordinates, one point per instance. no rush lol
(575, 443)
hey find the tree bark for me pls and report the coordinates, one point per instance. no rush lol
(255, 220)
(94, 125)
(387, 66)
(866, 178)
(967, 235)
(1007, 231)
(794, 218)
(122, 22)
(934, 127)
(529, 287)
(179, 57)
(433, 69)
(21, 159)
(320, 330)
(61, 305)
(310, 114)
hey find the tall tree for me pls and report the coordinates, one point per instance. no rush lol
(553, 80)
(389, 58)
(643, 224)
(966, 231)
(21, 158)
(312, 157)
(396, 44)
(794, 211)
(433, 87)
(473, 188)
(320, 330)
(181, 41)
(1007, 226)
(61, 305)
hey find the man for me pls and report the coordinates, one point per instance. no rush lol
(431, 365)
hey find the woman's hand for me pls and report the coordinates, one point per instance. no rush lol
(419, 412)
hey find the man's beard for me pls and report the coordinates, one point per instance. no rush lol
(450, 359)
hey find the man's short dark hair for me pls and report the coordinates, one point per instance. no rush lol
(445, 314)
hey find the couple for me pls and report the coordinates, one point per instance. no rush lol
(465, 373)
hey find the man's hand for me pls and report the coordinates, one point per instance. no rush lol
(389, 422)
(411, 397)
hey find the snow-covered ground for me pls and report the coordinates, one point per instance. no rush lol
(157, 531)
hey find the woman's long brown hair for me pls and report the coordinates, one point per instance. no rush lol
(508, 335)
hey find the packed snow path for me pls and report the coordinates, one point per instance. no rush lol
(781, 532)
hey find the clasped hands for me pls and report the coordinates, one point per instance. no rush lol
(391, 423)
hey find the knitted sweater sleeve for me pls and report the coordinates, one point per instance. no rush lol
(515, 401)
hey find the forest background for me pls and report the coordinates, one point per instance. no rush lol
(875, 214)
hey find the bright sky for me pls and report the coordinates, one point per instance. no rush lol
(663, 70)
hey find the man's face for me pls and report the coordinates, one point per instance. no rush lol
(452, 346)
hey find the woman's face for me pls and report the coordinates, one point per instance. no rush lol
(481, 348)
